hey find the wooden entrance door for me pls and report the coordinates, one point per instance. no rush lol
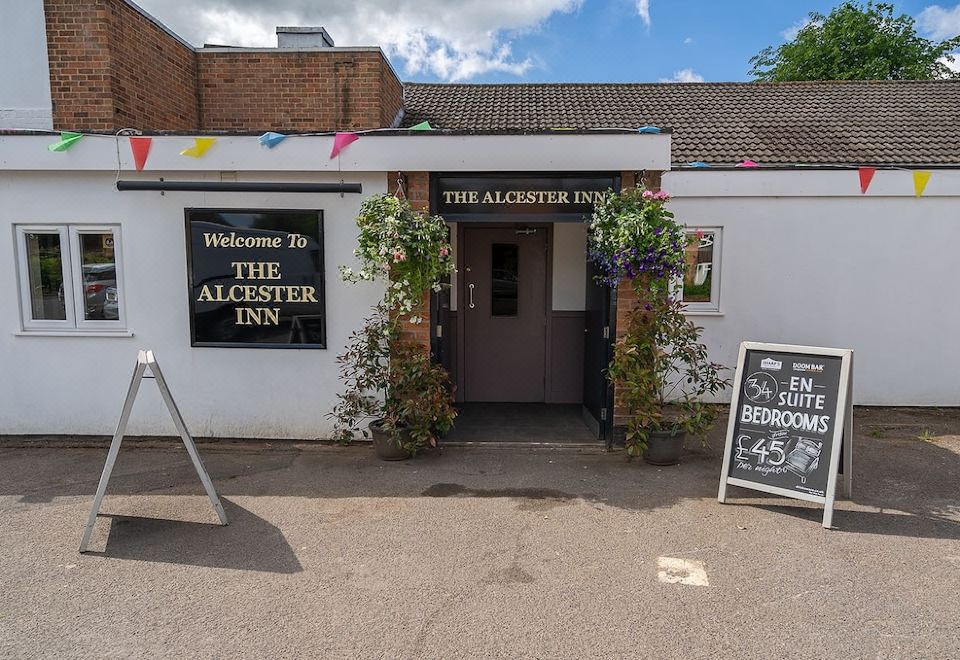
(503, 303)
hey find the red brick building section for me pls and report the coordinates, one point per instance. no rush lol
(323, 89)
(416, 188)
(113, 67)
(627, 299)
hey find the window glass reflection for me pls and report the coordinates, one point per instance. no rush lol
(698, 275)
(45, 275)
(98, 266)
(505, 267)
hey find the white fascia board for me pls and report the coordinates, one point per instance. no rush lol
(371, 153)
(805, 183)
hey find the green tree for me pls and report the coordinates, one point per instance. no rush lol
(857, 43)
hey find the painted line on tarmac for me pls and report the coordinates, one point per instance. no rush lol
(671, 570)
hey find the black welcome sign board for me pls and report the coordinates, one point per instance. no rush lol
(256, 278)
(791, 420)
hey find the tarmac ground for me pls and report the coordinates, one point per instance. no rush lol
(483, 551)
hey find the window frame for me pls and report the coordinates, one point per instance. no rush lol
(71, 272)
(713, 306)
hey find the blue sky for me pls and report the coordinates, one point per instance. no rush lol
(535, 40)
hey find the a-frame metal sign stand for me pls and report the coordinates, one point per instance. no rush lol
(147, 362)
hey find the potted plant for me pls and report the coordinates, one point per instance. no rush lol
(660, 369)
(389, 379)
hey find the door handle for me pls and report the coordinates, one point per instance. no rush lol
(471, 296)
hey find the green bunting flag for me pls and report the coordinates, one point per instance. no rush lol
(422, 126)
(67, 140)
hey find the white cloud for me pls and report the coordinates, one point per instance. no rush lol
(940, 23)
(955, 64)
(688, 40)
(684, 76)
(643, 10)
(791, 32)
(451, 40)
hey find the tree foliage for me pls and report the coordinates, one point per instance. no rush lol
(857, 42)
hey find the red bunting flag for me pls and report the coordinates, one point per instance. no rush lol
(140, 146)
(341, 141)
(866, 176)
(749, 164)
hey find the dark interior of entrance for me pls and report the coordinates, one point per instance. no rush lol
(523, 371)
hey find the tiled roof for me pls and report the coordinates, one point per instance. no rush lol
(816, 123)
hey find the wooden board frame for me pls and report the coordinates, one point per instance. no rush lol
(842, 430)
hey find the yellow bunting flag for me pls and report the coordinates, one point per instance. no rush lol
(200, 147)
(920, 180)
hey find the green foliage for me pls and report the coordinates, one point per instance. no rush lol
(660, 369)
(631, 233)
(857, 42)
(386, 379)
(394, 382)
(405, 247)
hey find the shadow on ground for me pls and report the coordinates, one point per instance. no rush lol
(247, 543)
(903, 485)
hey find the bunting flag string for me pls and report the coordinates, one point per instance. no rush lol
(271, 139)
(341, 141)
(140, 146)
(201, 145)
(920, 180)
(67, 140)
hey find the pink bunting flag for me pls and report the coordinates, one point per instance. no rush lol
(341, 141)
(140, 146)
(866, 176)
(748, 164)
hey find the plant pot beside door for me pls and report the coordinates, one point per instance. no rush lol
(386, 445)
(664, 447)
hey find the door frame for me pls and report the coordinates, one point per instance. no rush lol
(461, 297)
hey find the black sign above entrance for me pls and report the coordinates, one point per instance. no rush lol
(256, 278)
(790, 418)
(562, 197)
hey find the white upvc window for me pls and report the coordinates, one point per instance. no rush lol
(71, 278)
(700, 285)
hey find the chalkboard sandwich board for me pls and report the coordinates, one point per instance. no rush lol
(791, 420)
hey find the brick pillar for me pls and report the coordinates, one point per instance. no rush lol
(417, 191)
(627, 299)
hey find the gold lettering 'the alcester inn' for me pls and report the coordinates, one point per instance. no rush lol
(256, 270)
(263, 293)
(258, 316)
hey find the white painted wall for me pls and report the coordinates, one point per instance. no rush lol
(809, 260)
(54, 385)
(24, 72)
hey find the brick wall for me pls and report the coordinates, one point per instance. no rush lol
(627, 299)
(417, 191)
(111, 67)
(296, 91)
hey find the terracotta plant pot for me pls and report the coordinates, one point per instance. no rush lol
(385, 446)
(664, 447)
